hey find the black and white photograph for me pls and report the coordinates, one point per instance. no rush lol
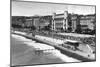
(44, 33)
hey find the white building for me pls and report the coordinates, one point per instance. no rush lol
(60, 21)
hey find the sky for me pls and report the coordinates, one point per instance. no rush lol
(23, 8)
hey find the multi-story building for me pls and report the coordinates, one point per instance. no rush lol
(36, 21)
(41, 21)
(87, 22)
(74, 22)
(60, 21)
(28, 22)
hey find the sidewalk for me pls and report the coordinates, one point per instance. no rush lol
(77, 35)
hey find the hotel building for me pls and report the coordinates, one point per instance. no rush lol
(87, 22)
(60, 21)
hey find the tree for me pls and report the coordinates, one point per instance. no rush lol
(48, 27)
(33, 27)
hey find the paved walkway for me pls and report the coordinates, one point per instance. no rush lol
(77, 35)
